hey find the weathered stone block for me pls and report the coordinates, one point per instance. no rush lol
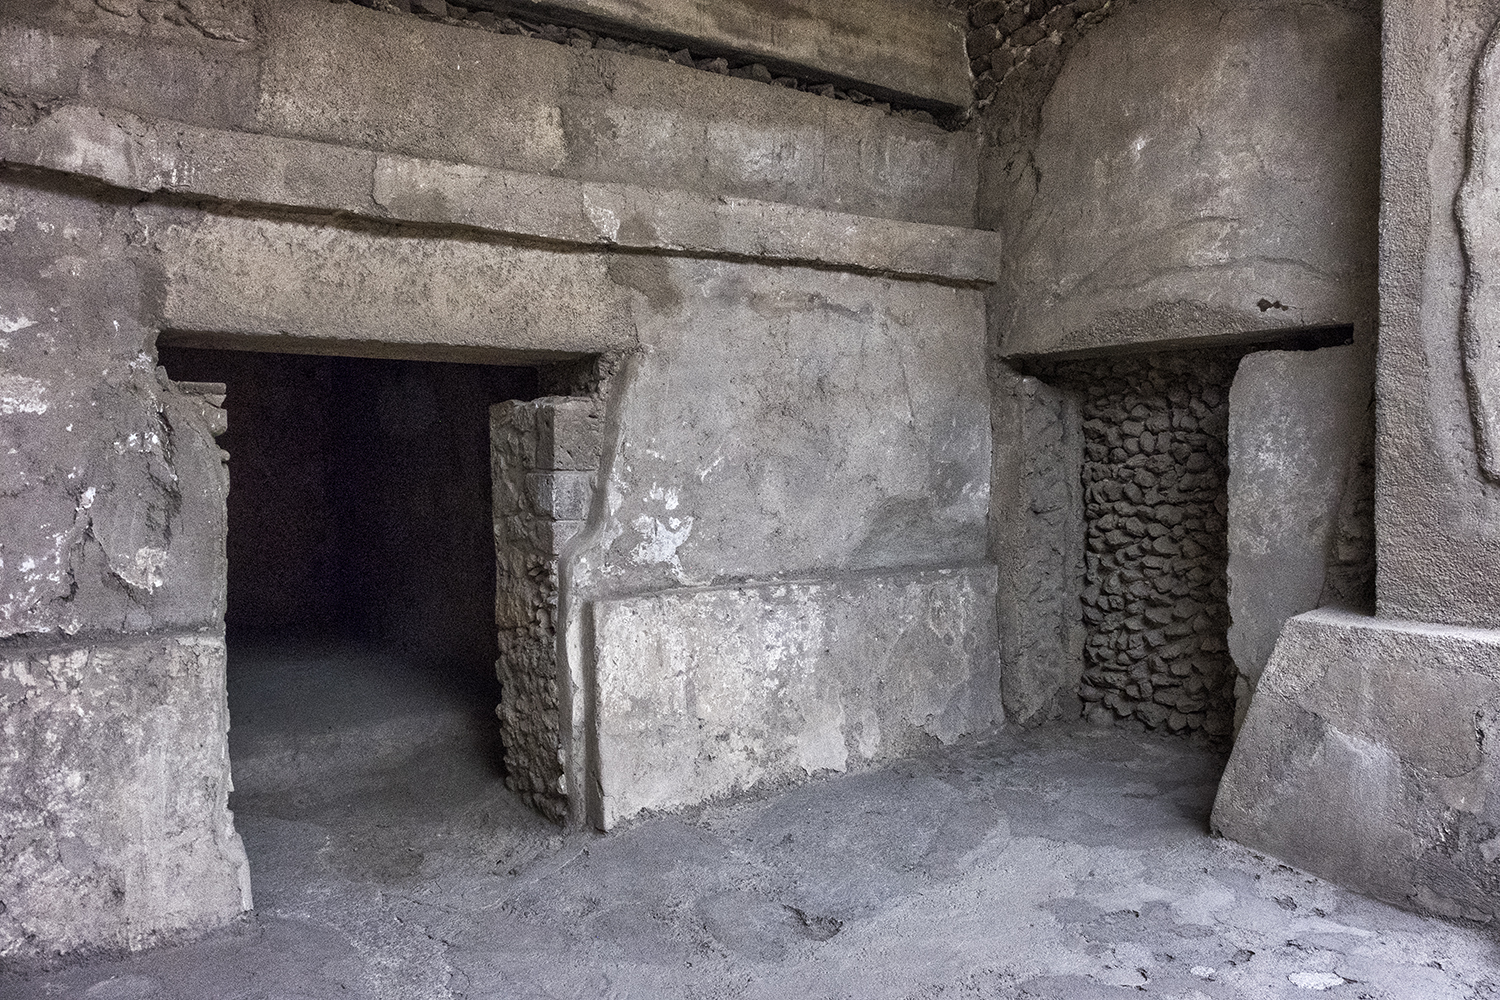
(570, 434)
(115, 830)
(1135, 220)
(705, 692)
(1297, 422)
(1371, 756)
(560, 496)
(885, 45)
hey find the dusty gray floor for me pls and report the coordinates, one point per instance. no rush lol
(389, 861)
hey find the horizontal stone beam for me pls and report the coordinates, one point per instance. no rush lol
(138, 154)
(900, 50)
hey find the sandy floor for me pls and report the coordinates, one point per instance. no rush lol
(389, 861)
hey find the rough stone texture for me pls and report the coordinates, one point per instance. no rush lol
(545, 460)
(1154, 592)
(341, 74)
(277, 285)
(1038, 543)
(1368, 757)
(1437, 519)
(114, 508)
(701, 693)
(1060, 863)
(1300, 429)
(898, 50)
(115, 829)
(141, 154)
(1173, 195)
(1478, 211)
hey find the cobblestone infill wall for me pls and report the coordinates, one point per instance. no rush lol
(1155, 503)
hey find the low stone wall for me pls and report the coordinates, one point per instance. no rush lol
(1155, 506)
(1368, 757)
(704, 692)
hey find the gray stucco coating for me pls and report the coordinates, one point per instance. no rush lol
(1437, 519)
(1173, 193)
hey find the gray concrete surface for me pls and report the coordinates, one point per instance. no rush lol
(1368, 756)
(1174, 194)
(1065, 864)
(1437, 517)
(1297, 425)
(702, 693)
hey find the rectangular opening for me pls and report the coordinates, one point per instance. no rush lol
(361, 585)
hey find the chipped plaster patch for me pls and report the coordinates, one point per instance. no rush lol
(15, 324)
(604, 220)
(19, 394)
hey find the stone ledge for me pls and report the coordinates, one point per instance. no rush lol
(895, 49)
(703, 692)
(140, 154)
(1369, 756)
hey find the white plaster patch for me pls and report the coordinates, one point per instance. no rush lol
(7, 223)
(604, 219)
(19, 394)
(660, 539)
(661, 536)
(145, 568)
(1316, 980)
(15, 324)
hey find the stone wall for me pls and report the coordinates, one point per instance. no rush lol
(798, 281)
(1038, 541)
(544, 459)
(1154, 598)
(574, 36)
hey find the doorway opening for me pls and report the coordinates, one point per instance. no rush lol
(1171, 510)
(361, 587)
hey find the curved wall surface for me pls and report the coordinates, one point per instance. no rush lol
(1202, 171)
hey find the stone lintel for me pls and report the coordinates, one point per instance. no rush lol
(138, 154)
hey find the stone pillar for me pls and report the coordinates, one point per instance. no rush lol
(1369, 754)
(1300, 495)
(1038, 543)
(115, 831)
(544, 460)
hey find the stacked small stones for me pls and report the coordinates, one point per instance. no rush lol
(579, 38)
(1154, 600)
(1019, 43)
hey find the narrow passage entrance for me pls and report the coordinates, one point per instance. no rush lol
(361, 614)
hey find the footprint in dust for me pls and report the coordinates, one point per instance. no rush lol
(761, 928)
(127, 987)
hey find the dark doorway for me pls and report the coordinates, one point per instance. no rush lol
(361, 612)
